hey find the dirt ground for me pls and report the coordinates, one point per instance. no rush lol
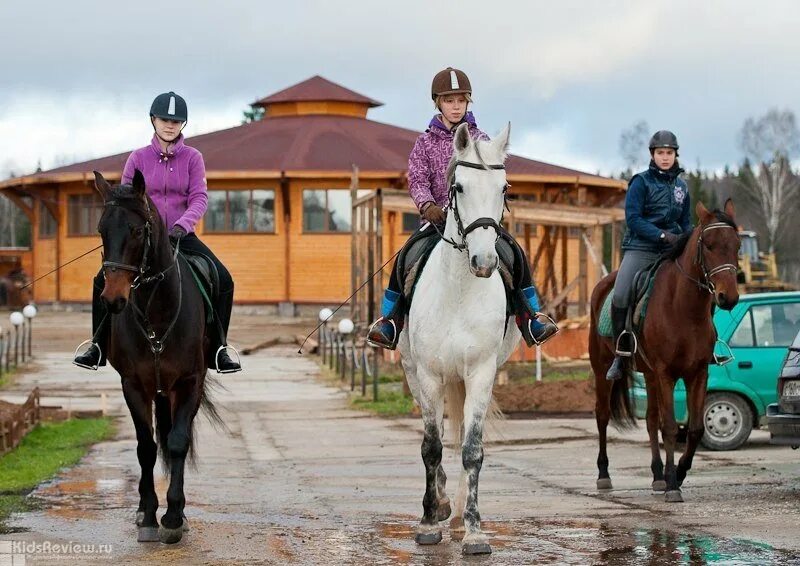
(299, 477)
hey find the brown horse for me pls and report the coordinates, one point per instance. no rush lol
(158, 345)
(676, 341)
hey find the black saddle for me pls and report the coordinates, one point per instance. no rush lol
(205, 274)
(415, 253)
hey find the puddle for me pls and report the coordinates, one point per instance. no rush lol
(580, 542)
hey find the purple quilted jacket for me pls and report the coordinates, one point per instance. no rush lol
(427, 164)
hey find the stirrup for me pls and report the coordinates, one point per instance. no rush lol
(75, 355)
(723, 359)
(550, 320)
(622, 353)
(238, 360)
(378, 344)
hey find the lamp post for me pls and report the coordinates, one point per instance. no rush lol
(324, 315)
(30, 312)
(346, 327)
(16, 319)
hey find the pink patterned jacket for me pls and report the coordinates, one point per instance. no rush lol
(427, 164)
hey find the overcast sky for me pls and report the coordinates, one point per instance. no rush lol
(77, 78)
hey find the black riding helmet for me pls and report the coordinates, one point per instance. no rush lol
(664, 138)
(169, 106)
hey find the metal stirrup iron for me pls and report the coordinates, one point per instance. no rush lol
(622, 353)
(226, 347)
(75, 355)
(549, 319)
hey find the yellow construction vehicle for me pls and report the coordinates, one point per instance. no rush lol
(758, 271)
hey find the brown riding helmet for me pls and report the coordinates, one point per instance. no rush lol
(450, 81)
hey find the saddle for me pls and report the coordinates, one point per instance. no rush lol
(414, 256)
(641, 290)
(205, 275)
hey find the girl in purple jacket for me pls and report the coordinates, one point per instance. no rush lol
(175, 177)
(427, 165)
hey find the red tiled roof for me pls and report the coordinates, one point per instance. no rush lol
(311, 143)
(317, 89)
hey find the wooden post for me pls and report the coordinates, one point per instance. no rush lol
(353, 241)
(583, 290)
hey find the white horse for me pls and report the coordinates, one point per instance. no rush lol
(457, 334)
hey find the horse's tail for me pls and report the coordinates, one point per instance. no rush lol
(163, 427)
(455, 393)
(622, 412)
(210, 411)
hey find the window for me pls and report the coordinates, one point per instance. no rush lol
(241, 211)
(47, 222)
(83, 214)
(326, 210)
(743, 336)
(767, 326)
(411, 222)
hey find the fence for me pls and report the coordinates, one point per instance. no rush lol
(16, 348)
(21, 421)
(347, 357)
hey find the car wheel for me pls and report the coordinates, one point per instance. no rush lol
(728, 421)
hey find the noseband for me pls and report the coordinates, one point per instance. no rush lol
(707, 283)
(483, 222)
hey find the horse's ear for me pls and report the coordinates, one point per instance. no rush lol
(702, 213)
(502, 141)
(101, 184)
(462, 139)
(730, 210)
(138, 183)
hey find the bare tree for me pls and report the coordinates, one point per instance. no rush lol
(770, 141)
(632, 145)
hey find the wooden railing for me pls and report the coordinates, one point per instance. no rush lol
(22, 421)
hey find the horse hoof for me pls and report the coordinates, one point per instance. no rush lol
(147, 534)
(673, 496)
(475, 544)
(443, 510)
(659, 485)
(425, 538)
(170, 536)
(604, 484)
(185, 525)
(139, 518)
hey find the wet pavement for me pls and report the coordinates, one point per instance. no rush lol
(301, 478)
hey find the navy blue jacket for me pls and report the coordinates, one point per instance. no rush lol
(657, 201)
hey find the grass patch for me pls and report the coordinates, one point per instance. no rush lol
(7, 378)
(42, 453)
(389, 404)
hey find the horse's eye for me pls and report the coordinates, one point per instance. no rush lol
(138, 231)
(458, 188)
(506, 187)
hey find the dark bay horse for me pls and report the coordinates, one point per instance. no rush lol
(676, 341)
(158, 345)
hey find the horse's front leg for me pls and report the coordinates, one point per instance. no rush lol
(656, 464)
(186, 401)
(696, 398)
(479, 394)
(431, 400)
(147, 452)
(669, 432)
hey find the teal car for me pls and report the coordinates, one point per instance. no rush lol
(758, 331)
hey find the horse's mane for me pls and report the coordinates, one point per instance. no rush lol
(677, 249)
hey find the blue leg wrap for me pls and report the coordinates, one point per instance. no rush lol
(533, 301)
(389, 301)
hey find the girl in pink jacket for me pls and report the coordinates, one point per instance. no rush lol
(175, 179)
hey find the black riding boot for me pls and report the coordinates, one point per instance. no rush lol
(219, 359)
(385, 331)
(95, 355)
(617, 369)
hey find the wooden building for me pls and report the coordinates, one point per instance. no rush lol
(280, 203)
